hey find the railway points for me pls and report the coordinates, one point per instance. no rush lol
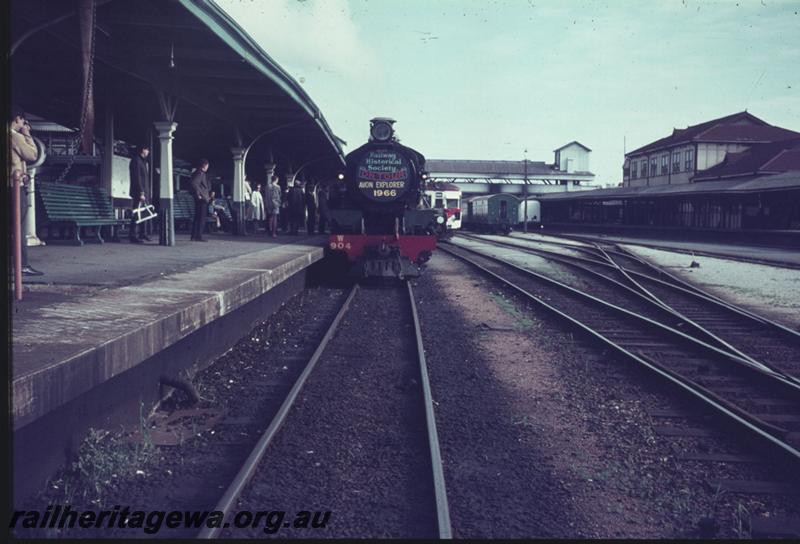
(786, 257)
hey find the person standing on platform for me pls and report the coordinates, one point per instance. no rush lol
(257, 200)
(23, 150)
(284, 214)
(248, 204)
(297, 207)
(201, 190)
(139, 170)
(311, 208)
(322, 206)
(274, 206)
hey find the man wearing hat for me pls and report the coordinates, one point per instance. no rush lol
(140, 176)
(23, 150)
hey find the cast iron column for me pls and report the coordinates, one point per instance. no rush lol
(165, 130)
(238, 190)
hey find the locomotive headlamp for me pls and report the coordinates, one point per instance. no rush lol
(424, 175)
(439, 219)
(380, 129)
(341, 176)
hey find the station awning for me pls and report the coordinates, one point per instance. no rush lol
(753, 184)
(191, 49)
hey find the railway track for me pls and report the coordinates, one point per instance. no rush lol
(739, 403)
(655, 245)
(763, 405)
(762, 342)
(335, 343)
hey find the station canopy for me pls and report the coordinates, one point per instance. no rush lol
(152, 55)
(751, 184)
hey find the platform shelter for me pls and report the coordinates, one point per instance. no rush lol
(178, 74)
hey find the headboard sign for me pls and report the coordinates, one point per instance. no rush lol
(383, 175)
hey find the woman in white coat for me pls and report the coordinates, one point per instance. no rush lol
(258, 207)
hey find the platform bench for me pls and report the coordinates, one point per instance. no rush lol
(183, 210)
(64, 210)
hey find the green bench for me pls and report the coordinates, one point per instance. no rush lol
(183, 210)
(66, 210)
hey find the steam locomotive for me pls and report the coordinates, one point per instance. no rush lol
(377, 224)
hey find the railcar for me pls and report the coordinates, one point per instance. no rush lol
(445, 198)
(378, 222)
(491, 213)
(534, 212)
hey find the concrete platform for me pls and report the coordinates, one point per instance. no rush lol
(101, 310)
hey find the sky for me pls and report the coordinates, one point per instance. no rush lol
(490, 79)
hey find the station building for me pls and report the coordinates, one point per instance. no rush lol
(689, 153)
(734, 173)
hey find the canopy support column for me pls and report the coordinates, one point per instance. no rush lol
(165, 130)
(29, 228)
(269, 169)
(238, 190)
(108, 150)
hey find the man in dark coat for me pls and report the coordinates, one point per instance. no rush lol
(139, 170)
(201, 189)
(322, 206)
(311, 208)
(297, 207)
(283, 218)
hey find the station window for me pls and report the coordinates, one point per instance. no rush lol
(633, 166)
(644, 168)
(664, 165)
(676, 162)
(653, 169)
(689, 160)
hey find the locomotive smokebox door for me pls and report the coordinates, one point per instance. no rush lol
(381, 129)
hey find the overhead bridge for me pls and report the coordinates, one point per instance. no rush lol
(568, 172)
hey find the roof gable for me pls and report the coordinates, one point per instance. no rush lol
(573, 142)
(779, 156)
(738, 127)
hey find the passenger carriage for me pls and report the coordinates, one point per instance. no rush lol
(497, 213)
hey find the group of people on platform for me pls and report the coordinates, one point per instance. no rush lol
(271, 206)
(291, 208)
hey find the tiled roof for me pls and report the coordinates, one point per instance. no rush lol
(739, 127)
(746, 133)
(760, 158)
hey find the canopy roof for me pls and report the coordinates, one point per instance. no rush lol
(752, 184)
(226, 85)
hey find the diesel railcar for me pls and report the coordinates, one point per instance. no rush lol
(445, 198)
(534, 212)
(491, 213)
(378, 224)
